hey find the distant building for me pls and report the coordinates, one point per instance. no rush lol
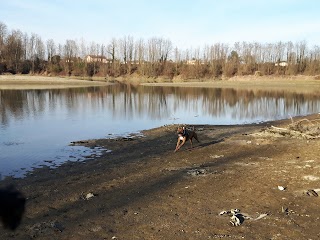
(281, 64)
(194, 61)
(72, 59)
(97, 58)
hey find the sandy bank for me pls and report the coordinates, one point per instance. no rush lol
(305, 83)
(42, 82)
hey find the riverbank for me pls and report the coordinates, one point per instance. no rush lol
(293, 83)
(143, 190)
(43, 82)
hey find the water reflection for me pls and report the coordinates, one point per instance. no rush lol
(37, 125)
(156, 103)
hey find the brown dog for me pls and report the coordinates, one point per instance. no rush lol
(183, 136)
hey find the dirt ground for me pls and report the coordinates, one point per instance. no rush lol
(143, 190)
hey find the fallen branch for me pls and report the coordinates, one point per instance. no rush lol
(291, 133)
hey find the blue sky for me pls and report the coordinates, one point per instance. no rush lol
(186, 23)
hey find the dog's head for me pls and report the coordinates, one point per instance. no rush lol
(180, 130)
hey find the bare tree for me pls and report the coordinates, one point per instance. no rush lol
(139, 56)
(165, 49)
(14, 52)
(111, 49)
(3, 36)
(25, 42)
(31, 51)
(126, 51)
(313, 66)
(92, 66)
(113, 52)
(40, 49)
(51, 49)
(177, 60)
(217, 57)
(157, 55)
(70, 51)
(103, 63)
(83, 50)
(139, 51)
(301, 50)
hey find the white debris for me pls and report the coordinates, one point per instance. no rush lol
(261, 216)
(216, 156)
(235, 211)
(89, 195)
(237, 218)
(235, 221)
(223, 212)
(281, 188)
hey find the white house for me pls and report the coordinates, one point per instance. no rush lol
(281, 64)
(96, 58)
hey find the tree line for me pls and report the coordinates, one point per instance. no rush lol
(23, 53)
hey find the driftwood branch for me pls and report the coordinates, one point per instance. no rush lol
(291, 133)
(303, 129)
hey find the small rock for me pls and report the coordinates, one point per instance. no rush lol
(89, 195)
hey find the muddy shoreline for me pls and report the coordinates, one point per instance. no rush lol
(142, 190)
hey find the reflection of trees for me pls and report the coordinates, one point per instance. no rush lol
(127, 101)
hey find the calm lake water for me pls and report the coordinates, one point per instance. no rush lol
(36, 126)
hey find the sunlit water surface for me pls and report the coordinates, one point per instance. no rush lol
(37, 126)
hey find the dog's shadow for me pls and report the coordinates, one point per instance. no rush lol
(12, 207)
(205, 144)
